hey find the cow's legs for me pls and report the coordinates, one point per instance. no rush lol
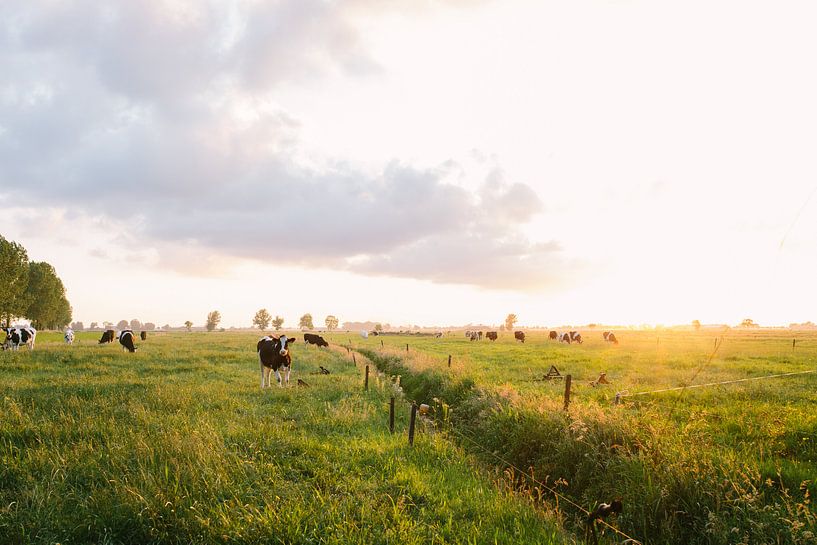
(278, 378)
(287, 375)
(264, 374)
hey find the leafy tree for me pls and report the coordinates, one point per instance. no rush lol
(78, 326)
(14, 272)
(277, 322)
(122, 324)
(306, 322)
(331, 322)
(378, 327)
(262, 319)
(696, 324)
(213, 319)
(108, 325)
(510, 321)
(149, 326)
(189, 325)
(94, 325)
(748, 322)
(135, 324)
(48, 308)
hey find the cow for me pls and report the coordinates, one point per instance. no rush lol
(565, 338)
(474, 335)
(491, 335)
(69, 336)
(107, 336)
(18, 336)
(553, 336)
(311, 338)
(438, 335)
(519, 336)
(126, 340)
(610, 337)
(479, 334)
(364, 334)
(467, 334)
(143, 335)
(576, 337)
(273, 354)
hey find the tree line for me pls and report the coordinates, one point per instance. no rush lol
(30, 290)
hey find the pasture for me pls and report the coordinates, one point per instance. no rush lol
(177, 444)
(731, 463)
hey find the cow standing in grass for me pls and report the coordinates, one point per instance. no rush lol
(69, 336)
(519, 336)
(610, 337)
(491, 335)
(553, 336)
(274, 356)
(19, 336)
(107, 336)
(126, 340)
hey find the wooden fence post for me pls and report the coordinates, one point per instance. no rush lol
(449, 360)
(411, 423)
(406, 347)
(391, 415)
(366, 384)
(568, 379)
(381, 343)
(793, 343)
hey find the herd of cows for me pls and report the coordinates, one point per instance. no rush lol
(273, 352)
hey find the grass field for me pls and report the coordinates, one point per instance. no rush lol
(732, 463)
(177, 444)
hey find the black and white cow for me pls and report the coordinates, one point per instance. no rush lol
(553, 336)
(565, 338)
(491, 335)
(473, 335)
(19, 336)
(576, 337)
(610, 337)
(107, 336)
(69, 336)
(311, 338)
(126, 340)
(273, 354)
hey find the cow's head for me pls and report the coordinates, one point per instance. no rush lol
(283, 343)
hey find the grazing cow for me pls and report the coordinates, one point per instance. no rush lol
(69, 336)
(311, 338)
(610, 337)
(374, 333)
(479, 333)
(467, 334)
(438, 335)
(576, 337)
(519, 336)
(565, 338)
(273, 354)
(553, 336)
(126, 340)
(491, 335)
(143, 335)
(473, 335)
(107, 337)
(364, 334)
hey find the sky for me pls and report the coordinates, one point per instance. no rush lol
(432, 162)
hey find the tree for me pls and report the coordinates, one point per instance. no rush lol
(696, 324)
(213, 320)
(189, 325)
(331, 322)
(149, 326)
(94, 325)
(14, 278)
(107, 325)
(510, 321)
(122, 324)
(378, 327)
(78, 326)
(47, 308)
(135, 324)
(748, 322)
(277, 322)
(306, 322)
(262, 319)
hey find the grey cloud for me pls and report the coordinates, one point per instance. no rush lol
(124, 113)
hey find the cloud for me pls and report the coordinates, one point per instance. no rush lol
(161, 118)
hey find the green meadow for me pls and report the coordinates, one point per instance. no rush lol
(728, 463)
(178, 444)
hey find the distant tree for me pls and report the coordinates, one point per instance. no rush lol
(378, 327)
(94, 325)
(748, 322)
(696, 324)
(135, 324)
(149, 326)
(331, 322)
(78, 326)
(510, 321)
(122, 324)
(262, 319)
(107, 325)
(502, 327)
(48, 307)
(277, 322)
(591, 326)
(167, 327)
(14, 274)
(213, 319)
(189, 325)
(306, 322)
